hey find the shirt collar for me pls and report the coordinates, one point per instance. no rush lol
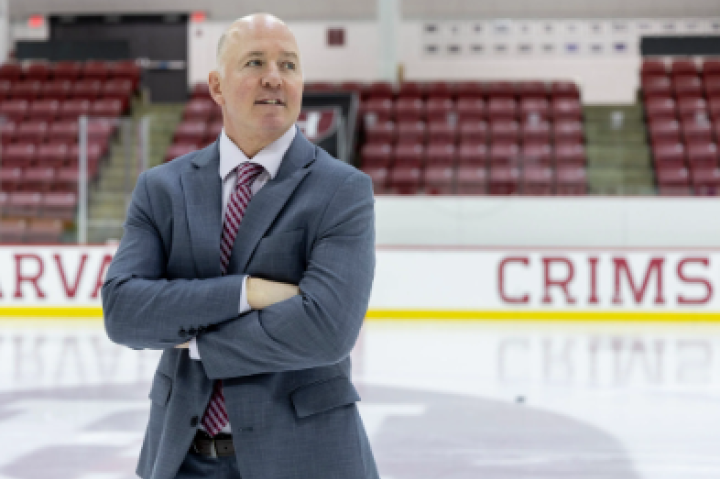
(269, 157)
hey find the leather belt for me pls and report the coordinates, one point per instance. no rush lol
(218, 446)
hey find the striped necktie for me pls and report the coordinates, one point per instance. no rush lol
(216, 417)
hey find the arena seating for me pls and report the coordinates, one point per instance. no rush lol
(39, 107)
(447, 138)
(682, 109)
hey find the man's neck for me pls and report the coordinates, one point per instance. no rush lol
(251, 145)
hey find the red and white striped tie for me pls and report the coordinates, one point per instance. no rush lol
(216, 417)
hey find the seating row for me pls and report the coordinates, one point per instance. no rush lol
(62, 131)
(73, 71)
(678, 154)
(38, 205)
(44, 179)
(679, 66)
(689, 130)
(473, 130)
(385, 155)
(681, 86)
(36, 231)
(19, 110)
(66, 90)
(666, 107)
(471, 179)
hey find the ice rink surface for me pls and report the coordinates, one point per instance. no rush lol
(441, 400)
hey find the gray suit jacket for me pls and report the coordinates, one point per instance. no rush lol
(285, 369)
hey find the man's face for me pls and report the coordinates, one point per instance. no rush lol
(261, 86)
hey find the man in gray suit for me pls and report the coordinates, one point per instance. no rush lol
(250, 264)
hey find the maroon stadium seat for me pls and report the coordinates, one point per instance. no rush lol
(570, 180)
(119, 89)
(661, 108)
(471, 180)
(67, 70)
(405, 179)
(441, 131)
(532, 131)
(60, 205)
(99, 130)
(63, 131)
(66, 179)
(663, 129)
(7, 132)
(504, 179)
(44, 231)
(51, 155)
(673, 176)
(563, 89)
(702, 154)
(46, 110)
(471, 109)
(685, 85)
(5, 89)
(566, 109)
(473, 154)
(26, 90)
(669, 154)
(86, 89)
(705, 180)
(697, 130)
(439, 179)
(474, 131)
(381, 132)
(531, 90)
(500, 89)
(710, 66)
(23, 204)
(376, 155)
(213, 131)
(683, 66)
(568, 131)
(408, 154)
(94, 153)
(439, 89)
(21, 155)
(410, 89)
(536, 180)
(177, 150)
(653, 67)
(409, 109)
(570, 154)
(714, 108)
(40, 71)
(125, 70)
(469, 90)
(504, 153)
(411, 132)
(377, 109)
(95, 70)
(190, 132)
(537, 108)
(12, 230)
(537, 153)
(653, 87)
(440, 154)
(198, 109)
(108, 108)
(692, 107)
(200, 91)
(381, 89)
(504, 130)
(11, 179)
(40, 180)
(379, 177)
(502, 108)
(354, 86)
(439, 109)
(72, 109)
(11, 71)
(712, 86)
(15, 110)
(32, 131)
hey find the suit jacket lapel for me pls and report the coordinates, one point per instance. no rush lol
(269, 201)
(202, 189)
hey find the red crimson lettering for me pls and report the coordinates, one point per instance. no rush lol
(562, 283)
(107, 259)
(501, 280)
(593, 280)
(681, 275)
(32, 279)
(621, 265)
(70, 290)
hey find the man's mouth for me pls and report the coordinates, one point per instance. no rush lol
(270, 102)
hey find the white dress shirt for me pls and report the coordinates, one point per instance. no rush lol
(231, 157)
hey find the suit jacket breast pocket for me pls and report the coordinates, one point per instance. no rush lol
(280, 257)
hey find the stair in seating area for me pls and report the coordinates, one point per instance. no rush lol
(109, 198)
(619, 161)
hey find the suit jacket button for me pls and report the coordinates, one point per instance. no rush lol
(194, 421)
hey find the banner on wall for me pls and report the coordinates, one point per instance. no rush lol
(431, 283)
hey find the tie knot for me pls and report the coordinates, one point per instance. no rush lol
(247, 172)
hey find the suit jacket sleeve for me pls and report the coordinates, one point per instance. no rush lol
(144, 309)
(320, 326)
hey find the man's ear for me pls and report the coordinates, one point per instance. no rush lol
(215, 89)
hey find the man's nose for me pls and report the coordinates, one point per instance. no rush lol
(272, 78)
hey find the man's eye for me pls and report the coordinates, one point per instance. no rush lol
(290, 65)
(254, 63)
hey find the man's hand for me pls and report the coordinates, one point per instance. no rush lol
(262, 293)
